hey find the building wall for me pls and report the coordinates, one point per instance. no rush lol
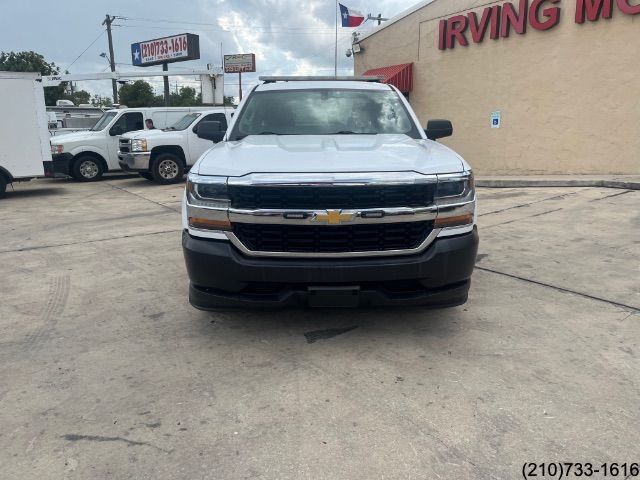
(569, 97)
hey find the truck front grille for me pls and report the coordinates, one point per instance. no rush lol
(125, 146)
(332, 239)
(329, 197)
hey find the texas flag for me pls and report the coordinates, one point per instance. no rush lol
(350, 17)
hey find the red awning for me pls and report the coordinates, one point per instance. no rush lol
(400, 76)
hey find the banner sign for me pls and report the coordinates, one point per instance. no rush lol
(240, 63)
(498, 21)
(177, 48)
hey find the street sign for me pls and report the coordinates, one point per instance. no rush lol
(240, 63)
(177, 48)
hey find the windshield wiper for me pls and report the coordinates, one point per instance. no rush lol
(349, 132)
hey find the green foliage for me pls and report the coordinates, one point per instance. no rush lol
(136, 94)
(186, 97)
(33, 62)
(78, 97)
(229, 101)
(100, 101)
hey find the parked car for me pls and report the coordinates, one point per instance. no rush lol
(328, 193)
(87, 155)
(23, 130)
(164, 155)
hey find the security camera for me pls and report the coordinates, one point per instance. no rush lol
(348, 53)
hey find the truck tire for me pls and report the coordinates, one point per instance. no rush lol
(87, 169)
(167, 168)
(3, 186)
(146, 175)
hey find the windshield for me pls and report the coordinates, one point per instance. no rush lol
(184, 122)
(324, 112)
(104, 120)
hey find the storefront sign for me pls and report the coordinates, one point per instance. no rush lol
(166, 50)
(500, 20)
(240, 63)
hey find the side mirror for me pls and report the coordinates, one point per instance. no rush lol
(116, 130)
(438, 129)
(211, 131)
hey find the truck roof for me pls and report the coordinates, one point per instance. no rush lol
(316, 84)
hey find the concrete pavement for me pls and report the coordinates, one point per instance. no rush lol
(107, 372)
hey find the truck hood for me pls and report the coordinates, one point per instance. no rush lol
(149, 134)
(75, 137)
(328, 153)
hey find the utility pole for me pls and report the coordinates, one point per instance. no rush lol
(112, 62)
(167, 94)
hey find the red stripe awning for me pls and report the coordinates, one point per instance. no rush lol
(400, 76)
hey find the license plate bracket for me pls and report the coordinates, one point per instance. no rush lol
(341, 296)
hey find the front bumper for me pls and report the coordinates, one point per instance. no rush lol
(223, 277)
(134, 161)
(62, 163)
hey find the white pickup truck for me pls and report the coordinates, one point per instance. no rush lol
(87, 155)
(164, 155)
(328, 192)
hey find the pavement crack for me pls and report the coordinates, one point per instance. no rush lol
(555, 197)
(73, 437)
(40, 247)
(177, 210)
(523, 218)
(612, 195)
(560, 289)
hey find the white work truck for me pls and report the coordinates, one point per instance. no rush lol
(164, 155)
(328, 192)
(23, 129)
(87, 155)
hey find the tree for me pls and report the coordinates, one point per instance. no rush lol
(33, 62)
(100, 101)
(186, 97)
(229, 101)
(78, 97)
(137, 94)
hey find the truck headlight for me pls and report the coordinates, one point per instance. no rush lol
(56, 149)
(456, 200)
(208, 202)
(139, 145)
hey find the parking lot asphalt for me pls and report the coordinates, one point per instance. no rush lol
(107, 372)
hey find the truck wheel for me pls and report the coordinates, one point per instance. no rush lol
(167, 168)
(146, 175)
(3, 186)
(87, 169)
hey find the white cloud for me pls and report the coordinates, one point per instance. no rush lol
(288, 37)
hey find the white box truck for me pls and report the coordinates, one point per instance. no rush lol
(24, 137)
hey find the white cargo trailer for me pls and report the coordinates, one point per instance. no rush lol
(25, 152)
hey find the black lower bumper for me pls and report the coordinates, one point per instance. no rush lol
(62, 163)
(223, 277)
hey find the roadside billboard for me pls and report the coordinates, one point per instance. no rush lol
(177, 48)
(240, 63)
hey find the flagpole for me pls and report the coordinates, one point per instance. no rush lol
(335, 58)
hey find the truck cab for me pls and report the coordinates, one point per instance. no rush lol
(87, 155)
(163, 155)
(328, 192)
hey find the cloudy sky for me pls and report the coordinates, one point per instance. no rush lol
(288, 37)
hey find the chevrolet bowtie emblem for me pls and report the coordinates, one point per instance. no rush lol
(334, 217)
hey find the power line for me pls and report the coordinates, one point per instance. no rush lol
(225, 28)
(192, 30)
(85, 50)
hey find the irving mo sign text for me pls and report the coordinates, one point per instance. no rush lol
(499, 20)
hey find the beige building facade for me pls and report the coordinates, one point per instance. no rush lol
(541, 86)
